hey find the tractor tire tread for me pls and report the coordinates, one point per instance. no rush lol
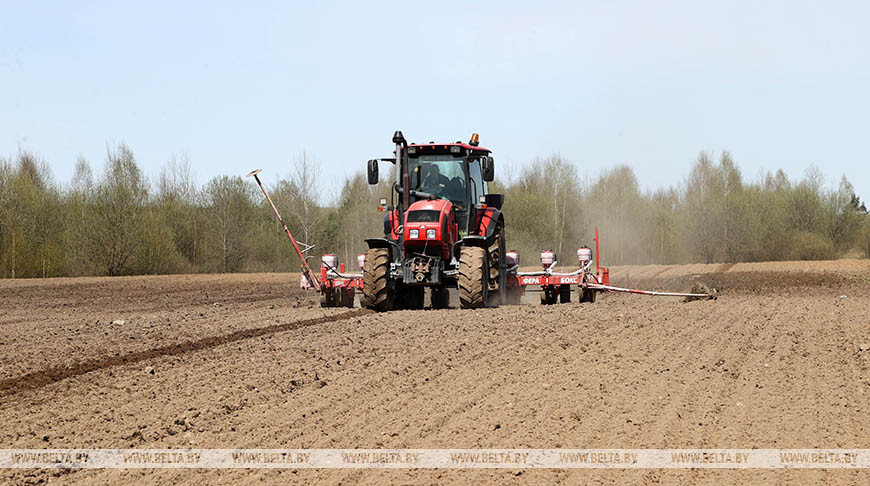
(376, 291)
(472, 282)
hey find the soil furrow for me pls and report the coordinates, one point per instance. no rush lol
(38, 379)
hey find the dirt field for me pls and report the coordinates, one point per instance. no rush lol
(780, 360)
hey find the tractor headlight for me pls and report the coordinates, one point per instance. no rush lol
(414, 233)
(430, 234)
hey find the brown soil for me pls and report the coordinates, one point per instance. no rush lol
(779, 360)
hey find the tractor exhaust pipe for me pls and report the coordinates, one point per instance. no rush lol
(306, 270)
(402, 160)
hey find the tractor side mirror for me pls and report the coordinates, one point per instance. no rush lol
(487, 167)
(373, 172)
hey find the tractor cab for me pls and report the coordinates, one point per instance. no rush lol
(453, 172)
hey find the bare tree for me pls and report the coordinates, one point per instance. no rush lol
(176, 181)
(118, 205)
(305, 196)
(79, 200)
(733, 236)
(704, 195)
(31, 220)
(229, 204)
(176, 198)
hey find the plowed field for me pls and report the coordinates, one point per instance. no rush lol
(780, 360)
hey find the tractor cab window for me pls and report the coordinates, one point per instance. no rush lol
(477, 187)
(439, 175)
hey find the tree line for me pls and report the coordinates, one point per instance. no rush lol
(714, 215)
(119, 222)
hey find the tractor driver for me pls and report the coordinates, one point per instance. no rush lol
(431, 179)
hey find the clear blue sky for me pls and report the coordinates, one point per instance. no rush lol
(248, 85)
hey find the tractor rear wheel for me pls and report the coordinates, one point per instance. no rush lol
(377, 292)
(473, 273)
(440, 297)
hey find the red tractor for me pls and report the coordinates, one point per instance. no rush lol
(442, 230)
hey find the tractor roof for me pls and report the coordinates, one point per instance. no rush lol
(444, 148)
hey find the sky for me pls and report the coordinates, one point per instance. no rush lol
(245, 85)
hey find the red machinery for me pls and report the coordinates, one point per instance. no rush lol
(337, 287)
(558, 286)
(446, 231)
(555, 285)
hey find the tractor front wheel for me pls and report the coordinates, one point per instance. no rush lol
(473, 277)
(378, 294)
